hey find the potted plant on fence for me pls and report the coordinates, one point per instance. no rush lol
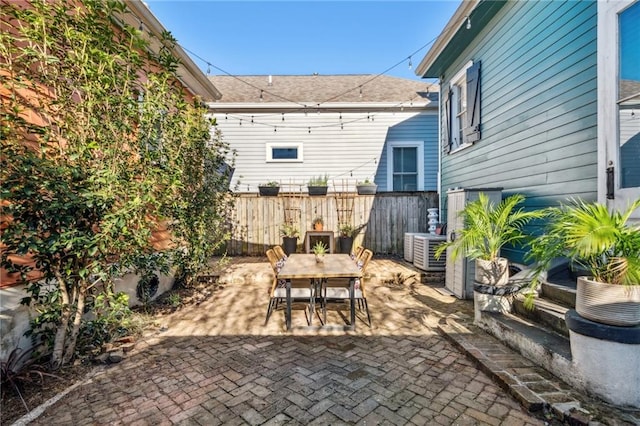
(319, 250)
(487, 228)
(318, 185)
(603, 243)
(269, 189)
(318, 223)
(366, 187)
(289, 233)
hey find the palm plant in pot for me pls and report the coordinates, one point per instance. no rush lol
(606, 245)
(487, 228)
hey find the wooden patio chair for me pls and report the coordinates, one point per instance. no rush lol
(338, 288)
(280, 252)
(358, 252)
(300, 288)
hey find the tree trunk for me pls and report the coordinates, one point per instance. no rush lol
(77, 321)
(61, 333)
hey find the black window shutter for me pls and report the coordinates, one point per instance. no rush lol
(472, 131)
(447, 120)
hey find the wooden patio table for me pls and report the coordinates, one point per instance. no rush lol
(333, 266)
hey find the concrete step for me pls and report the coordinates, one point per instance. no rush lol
(546, 313)
(521, 375)
(550, 350)
(562, 293)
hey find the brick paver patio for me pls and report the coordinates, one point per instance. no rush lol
(216, 363)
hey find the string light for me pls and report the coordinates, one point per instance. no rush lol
(283, 116)
(410, 64)
(468, 23)
(261, 91)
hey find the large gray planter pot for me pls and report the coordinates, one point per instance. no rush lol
(494, 273)
(489, 298)
(611, 304)
(289, 245)
(367, 188)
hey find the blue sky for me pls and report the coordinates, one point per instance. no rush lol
(303, 37)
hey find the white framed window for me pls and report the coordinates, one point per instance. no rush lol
(284, 152)
(462, 108)
(405, 166)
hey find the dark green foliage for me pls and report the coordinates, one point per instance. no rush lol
(104, 160)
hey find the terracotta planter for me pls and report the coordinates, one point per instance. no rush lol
(608, 303)
(495, 273)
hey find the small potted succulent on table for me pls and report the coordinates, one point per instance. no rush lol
(269, 189)
(318, 185)
(319, 250)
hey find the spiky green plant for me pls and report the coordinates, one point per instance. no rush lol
(590, 235)
(488, 227)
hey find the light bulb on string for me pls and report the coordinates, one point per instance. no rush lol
(468, 23)
(252, 119)
(261, 98)
(275, 129)
(410, 64)
(240, 121)
(283, 116)
(309, 130)
(361, 91)
(208, 68)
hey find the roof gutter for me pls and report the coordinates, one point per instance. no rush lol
(191, 76)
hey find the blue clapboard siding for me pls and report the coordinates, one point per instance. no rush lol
(421, 128)
(538, 113)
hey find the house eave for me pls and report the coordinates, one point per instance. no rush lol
(190, 75)
(455, 36)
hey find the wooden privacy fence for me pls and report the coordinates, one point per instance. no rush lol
(384, 218)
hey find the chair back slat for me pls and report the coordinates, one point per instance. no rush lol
(273, 259)
(365, 258)
(279, 252)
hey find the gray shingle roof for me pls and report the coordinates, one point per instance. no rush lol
(313, 89)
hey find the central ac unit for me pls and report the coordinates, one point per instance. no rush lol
(408, 244)
(424, 248)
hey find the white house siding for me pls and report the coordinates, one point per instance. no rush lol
(538, 112)
(353, 153)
